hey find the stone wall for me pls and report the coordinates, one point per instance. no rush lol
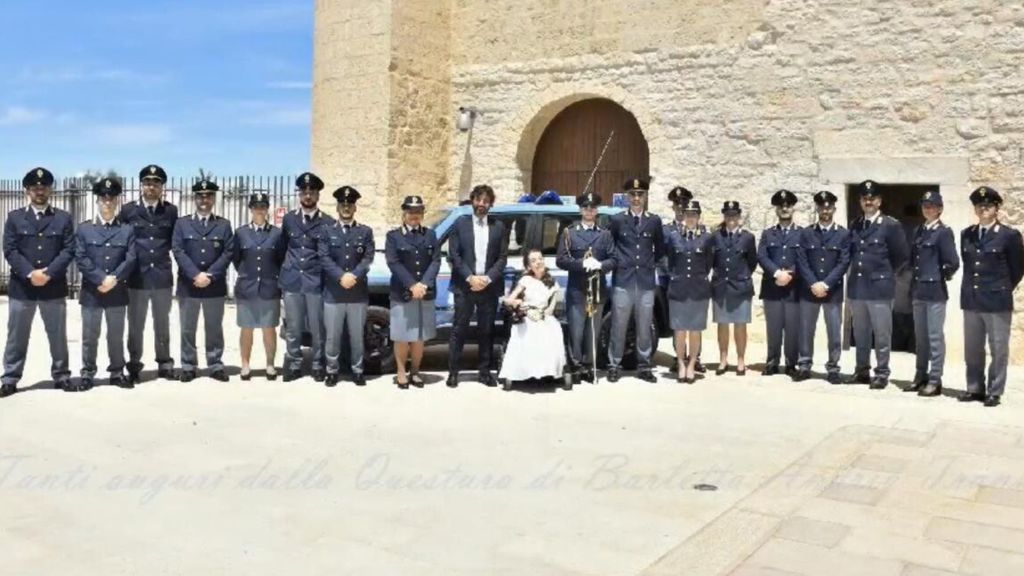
(736, 99)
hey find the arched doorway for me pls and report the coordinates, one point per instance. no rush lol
(572, 142)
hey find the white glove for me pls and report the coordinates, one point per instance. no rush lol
(591, 264)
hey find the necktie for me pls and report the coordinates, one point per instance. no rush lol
(39, 215)
(636, 221)
(345, 228)
(308, 218)
(151, 210)
(981, 234)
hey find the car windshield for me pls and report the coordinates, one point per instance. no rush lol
(441, 215)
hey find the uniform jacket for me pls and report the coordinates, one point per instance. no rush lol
(777, 251)
(102, 251)
(462, 254)
(823, 256)
(413, 256)
(689, 259)
(257, 256)
(572, 249)
(301, 272)
(993, 268)
(638, 249)
(152, 243)
(341, 252)
(198, 248)
(735, 260)
(30, 244)
(876, 253)
(934, 259)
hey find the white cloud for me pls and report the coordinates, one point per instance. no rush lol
(16, 115)
(131, 134)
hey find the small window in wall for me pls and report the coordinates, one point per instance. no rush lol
(902, 202)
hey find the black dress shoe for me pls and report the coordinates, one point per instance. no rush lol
(833, 378)
(319, 375)
(219, 375)
(801, 375)
(401, 385)
(722, 368)
(290, 375)
(271, 374)
(741, 371)
(452, 381)
(7, 389)
(970, 397)
(66, 385)
(577, 376)
(614, 374)
(416, 380)
(134, 377)
(879, 383)
(688, 380)
(991, 401)
(862, 377)
(646, 376)
(165, 373)
(187, 376)
(770, 371)
(790, 371)
(488, 379)
(359, 379)
(331, 380)
(122, 382)
(931, 389)
(587, 376)
(84, 385)
(245, 376)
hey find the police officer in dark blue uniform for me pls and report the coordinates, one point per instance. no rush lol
(105, 254)
(152, 279)
(878, 249)
(301, 279)
(202, 246)
(689, 257)
(822, 261)
(993, 258)
(780, 285)
(258, 253)
(414, 257)
(582, 250)
(346, 251)
(732, 286)
(637, 239)
(38, 245)
(935, 261)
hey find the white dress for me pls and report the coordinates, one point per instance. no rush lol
(535, 347)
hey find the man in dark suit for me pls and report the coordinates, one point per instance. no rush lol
(202, 246)
(39, 245)
(993, 258)
(151, 281)
(878, 249)
(478, 252)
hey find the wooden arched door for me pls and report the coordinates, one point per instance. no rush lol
(572, 142)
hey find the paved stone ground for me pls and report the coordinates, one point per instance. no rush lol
(270, 478)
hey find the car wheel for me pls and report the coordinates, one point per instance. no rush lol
(629, 353)
(378, 356)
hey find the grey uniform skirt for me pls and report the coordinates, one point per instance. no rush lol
(731, 310)
(688, 315)
(413, 321)
(259, 313)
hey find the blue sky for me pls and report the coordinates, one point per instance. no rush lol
(222, 84)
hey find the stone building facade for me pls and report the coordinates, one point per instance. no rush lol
(735, 98)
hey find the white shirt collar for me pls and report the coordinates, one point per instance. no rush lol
(312, 212)
(264, 228)
(792, 226)
(153, 205)
(831, 226)
(35, 210)
(100, 221)
(591, 226)
(933, 225)
(642, 215)
(199, 216)
(479, 220)
(874, 219)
